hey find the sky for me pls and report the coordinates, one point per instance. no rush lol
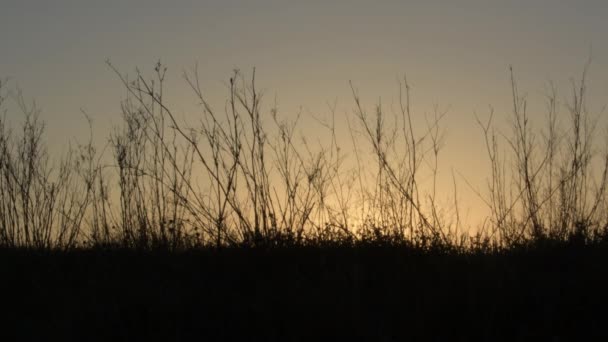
(456, 55)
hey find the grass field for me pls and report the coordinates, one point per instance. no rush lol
(543, 291)
(230, 230)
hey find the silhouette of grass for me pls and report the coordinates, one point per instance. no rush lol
(362, 291)
(276, 248)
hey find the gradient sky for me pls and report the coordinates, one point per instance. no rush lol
(455, 53)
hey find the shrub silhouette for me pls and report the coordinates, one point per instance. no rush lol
(255, 185)
(234, 229)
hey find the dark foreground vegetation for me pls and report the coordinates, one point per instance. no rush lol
(546, 291)
(239, 227)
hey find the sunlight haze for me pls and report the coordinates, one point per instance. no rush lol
(455, 55)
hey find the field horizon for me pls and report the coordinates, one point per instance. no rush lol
(238, 228)
(277, 170)
(247, 173)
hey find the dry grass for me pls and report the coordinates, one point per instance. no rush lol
(243, 176)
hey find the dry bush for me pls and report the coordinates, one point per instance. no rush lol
(548, 183)
(42, 204)
(245, 175)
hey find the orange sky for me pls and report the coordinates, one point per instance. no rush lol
(455, 54)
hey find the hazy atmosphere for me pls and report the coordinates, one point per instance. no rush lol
(455, 55)
(301, 171)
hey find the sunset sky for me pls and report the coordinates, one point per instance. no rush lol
(455, 54)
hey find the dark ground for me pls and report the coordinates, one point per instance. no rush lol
(370, 293)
